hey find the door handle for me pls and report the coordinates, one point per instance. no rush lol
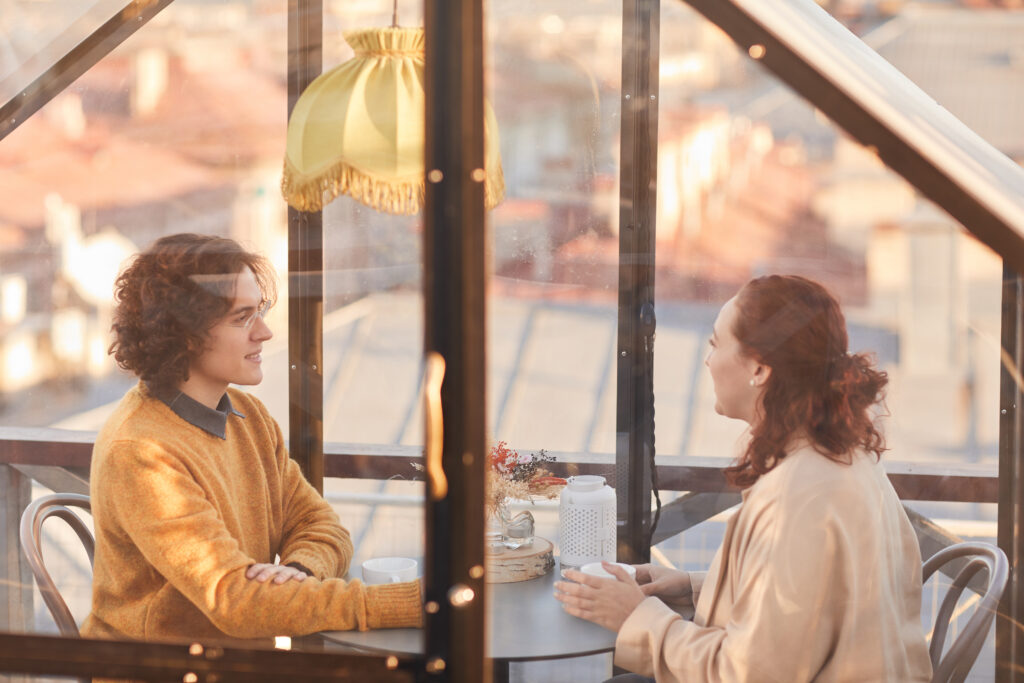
(437, 482)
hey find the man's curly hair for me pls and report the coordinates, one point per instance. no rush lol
(170, 296)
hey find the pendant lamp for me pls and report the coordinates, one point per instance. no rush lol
(358, 130)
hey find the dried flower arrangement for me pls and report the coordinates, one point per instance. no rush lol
(511, 475)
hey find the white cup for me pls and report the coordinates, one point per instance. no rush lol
(389, 570)
(595, 569)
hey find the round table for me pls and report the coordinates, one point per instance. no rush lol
(525, 623)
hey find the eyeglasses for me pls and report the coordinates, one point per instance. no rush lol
(247, 320)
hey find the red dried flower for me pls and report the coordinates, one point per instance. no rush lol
(519, 476)
(503, 459)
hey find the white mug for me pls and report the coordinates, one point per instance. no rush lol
(595, 569)
(389, 570)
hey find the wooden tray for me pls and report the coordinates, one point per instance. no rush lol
(521, 564)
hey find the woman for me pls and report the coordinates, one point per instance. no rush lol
(194, 497)
(819, 575)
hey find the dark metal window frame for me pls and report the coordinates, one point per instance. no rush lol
(305, 267)
(1009, 639)
(164, 662)
(638, 177)
(455, 292)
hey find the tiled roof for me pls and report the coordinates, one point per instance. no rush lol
(207, 127)
(99, 171)
(222, 117)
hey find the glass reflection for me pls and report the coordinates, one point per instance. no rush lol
(38, 34)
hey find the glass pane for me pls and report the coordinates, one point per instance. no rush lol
(552, 327)
(373, 337)
(36, 35)
(555, 82)
(754, 181)
(181, 129)
(176, 131)
(554, 78)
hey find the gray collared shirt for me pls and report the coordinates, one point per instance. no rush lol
(195, 413)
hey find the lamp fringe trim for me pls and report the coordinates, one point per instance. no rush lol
(403, 197)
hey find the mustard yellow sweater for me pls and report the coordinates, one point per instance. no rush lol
(180, 514)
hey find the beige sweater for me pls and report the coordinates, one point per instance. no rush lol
(818, 579)
(180, 514)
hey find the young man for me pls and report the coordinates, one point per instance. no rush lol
(193, 492)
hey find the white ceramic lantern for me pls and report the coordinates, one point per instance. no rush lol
(586, 521)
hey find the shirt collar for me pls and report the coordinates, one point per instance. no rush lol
(214, 422)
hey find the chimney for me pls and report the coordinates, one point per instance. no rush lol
(66, 113)
(150, 74)
(63, 220)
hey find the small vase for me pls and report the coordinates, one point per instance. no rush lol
(494, 532)
(516, 530)
(504, 531)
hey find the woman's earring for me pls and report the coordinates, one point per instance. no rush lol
(752, 381)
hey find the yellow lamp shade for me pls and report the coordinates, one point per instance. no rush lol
(358, 130)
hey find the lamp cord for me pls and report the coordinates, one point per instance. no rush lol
(394, 15)
(654, 468)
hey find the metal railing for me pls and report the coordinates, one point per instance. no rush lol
(71, 452)
(59, 460)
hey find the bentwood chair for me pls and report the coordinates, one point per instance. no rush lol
(56, 504)
(955, 664)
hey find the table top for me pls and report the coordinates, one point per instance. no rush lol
(525, 622)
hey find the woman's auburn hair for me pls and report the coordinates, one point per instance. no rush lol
(169, 297)
(816, 388)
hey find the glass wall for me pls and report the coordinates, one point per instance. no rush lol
(37, 34)
(373, 334)
(753, 180)
(182, 129)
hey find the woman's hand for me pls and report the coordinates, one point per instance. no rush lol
(669, 584)
(279, 572)
(606, 602)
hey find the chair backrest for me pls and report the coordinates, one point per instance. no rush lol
(957, 662)
(32, 519)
